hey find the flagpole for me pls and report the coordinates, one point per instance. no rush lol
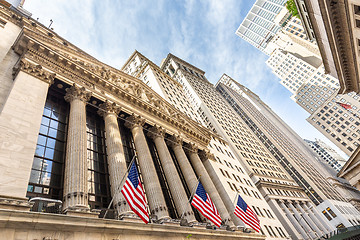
(121, 183)
(192, 194)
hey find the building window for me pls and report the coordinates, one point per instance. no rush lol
(48, 164)
(326, 215)
(98, 176)
(2, 23)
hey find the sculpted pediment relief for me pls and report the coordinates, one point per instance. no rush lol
(79, 67)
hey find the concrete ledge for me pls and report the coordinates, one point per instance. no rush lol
(34, 225)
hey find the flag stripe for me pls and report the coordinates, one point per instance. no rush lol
(202, 202)
(246, 214)
(135, 197)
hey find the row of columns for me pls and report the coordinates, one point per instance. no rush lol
(305, 219)
(75, 189)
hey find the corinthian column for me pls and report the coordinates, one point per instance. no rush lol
(302, 221)
(75, 184)
(205, 156)
(293, 220)
(151, 182)
(115, 155)
(309, 220)
(209, 185)
(177, 190)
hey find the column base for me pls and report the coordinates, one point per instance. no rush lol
(81, 212)
(11, 203)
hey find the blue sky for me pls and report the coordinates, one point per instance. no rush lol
(200, 32)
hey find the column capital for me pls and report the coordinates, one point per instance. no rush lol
(134, 121)
(175, 140)
(75, 92)
(108, 108)
(155, 132)
(191, 148)
(205, 155)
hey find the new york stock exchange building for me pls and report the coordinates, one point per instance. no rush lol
(70, 127)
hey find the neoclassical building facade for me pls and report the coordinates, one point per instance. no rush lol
(70, 126)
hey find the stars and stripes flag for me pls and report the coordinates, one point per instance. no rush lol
(346, 106)
(202, 202)
(134, 194)
(246, 214)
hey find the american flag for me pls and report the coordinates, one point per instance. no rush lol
(202, 202)
(346, 106)
(246, 214)
(134, 194)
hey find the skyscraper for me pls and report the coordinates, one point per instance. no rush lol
(229, 174)
(70, 127)
(327, 154)
(282, 193)
(301, 165)
(259, 27)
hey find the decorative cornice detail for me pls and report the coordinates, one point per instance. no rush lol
(34, 70)
(103, 79)
(75, 92)
(108, 108)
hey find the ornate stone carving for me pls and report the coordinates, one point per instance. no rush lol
(155, 132)
(191, 147)
(108, 107)
(75, 92)
(174, 140)
(35, 71)
(205, 155)
(134, 121)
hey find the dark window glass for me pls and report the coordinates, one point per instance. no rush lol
(48, 163)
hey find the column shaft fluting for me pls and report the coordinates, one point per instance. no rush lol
(320, 218)
(115, 156)
(229, 204)
(302, 221)
(209, 185)
(293, 220)
(75, 183)
(309, 220)
(176, 188)
(152, 185)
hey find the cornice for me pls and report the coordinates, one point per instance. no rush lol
(100, 78)
(34, 70)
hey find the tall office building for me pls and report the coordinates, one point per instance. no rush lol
(226, 169)
(327, 154)
(286, 198)
(303, 167)
(70, 127)
(259, 27)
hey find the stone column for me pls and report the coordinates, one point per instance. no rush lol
(209, 185)
(75, 181)
(302, 221)
(176, 143)
(177, 190)
(292, 219)
(320, 218)
(152, 185)
(229, 204)
(308, 219)
(314, 219)
(115, 156)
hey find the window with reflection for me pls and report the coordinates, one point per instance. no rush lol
(48, 164)
(98, 177)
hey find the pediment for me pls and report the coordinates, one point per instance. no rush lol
(73, 64)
